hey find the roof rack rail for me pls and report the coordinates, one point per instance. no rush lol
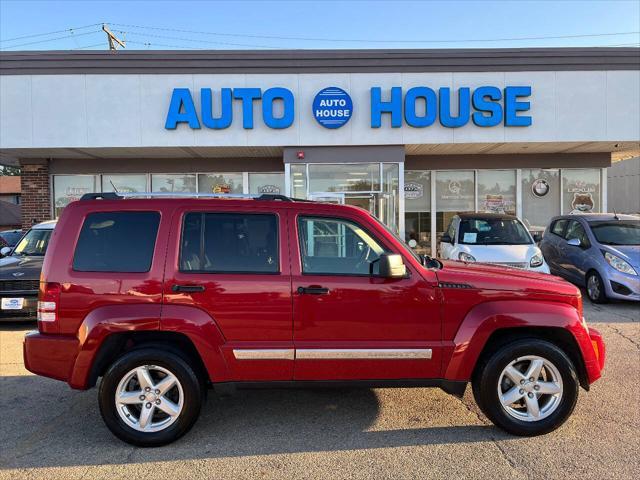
(122, 195)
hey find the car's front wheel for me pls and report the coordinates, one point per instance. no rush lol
(595, 288)
(529, 387)
(150, 398)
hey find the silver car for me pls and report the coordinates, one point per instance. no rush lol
(598, 251)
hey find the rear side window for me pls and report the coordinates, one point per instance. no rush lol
(558, 227)
(117, 242)
(229, 243)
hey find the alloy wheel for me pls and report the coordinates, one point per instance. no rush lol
(149, 398)
(593, 287)
(530, 388)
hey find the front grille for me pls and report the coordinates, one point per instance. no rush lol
(520, 265)
(19, 285)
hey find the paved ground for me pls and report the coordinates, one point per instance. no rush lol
(49, 431)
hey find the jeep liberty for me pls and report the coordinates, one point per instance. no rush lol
(161, 298)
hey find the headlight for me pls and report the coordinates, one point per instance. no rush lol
(619, 264)
(536, 261)
(465, 257)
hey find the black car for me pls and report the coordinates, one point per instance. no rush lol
(20, 273)
(10, 237)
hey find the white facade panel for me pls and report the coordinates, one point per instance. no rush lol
(113, 110)
(130, 110)
(15, 111)
(581, 107)
(59, 112)
(622, 94)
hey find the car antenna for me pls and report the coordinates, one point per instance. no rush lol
(615, 214)
(114, 187)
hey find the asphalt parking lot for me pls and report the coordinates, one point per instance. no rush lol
(49, 431)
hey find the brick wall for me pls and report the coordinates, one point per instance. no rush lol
(35, 202)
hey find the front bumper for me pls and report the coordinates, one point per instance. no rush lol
(51, 356)
(630, 282)
(594, 361)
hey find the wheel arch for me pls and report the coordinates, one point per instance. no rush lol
(489, 325)
(560, 337)
(117, 344)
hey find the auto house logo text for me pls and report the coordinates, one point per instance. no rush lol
(333, 107)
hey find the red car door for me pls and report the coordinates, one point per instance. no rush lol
(348, 323)
(233, 264)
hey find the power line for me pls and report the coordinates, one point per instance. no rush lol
(51, 39)
(194, 40)
(49, 33)
(274, 37)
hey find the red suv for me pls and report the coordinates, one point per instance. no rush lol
(164, 297)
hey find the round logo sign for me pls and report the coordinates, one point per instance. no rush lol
(332, 107)
(540, 187)
(413, 190)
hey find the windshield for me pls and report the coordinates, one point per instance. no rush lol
(617, 232)
(34, 243)
(493, 231)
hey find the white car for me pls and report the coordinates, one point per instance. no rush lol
(493, 238)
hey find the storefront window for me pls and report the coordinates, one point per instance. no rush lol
(357, 177)
(68, 188)
(299, 180)
(388, 205)
(581, 190)
(540, 197)
(124, 183)
(220, 183)
(266, 183)
(497, 191)
(173, 183)
(455, 193)
(417, 206)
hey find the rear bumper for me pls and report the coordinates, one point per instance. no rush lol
(51, 356)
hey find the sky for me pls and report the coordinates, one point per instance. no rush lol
(167, 25)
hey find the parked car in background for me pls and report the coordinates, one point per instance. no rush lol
(598, 251)
(11, 237)
(493, 238)
(165, 297)
(20, 273)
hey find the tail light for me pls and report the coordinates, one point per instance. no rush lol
(48, 301)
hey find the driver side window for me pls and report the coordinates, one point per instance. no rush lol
(336, 247)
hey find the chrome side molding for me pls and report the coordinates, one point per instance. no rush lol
(363, 353)
(332, 354)
(264, 354)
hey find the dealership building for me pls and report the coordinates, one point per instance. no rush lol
(414, 136)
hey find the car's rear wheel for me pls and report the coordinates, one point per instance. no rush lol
(148, 398)
(528, 387)
(595, 288)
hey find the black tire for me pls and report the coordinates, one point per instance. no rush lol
(192, 389)
(485, 387)
(601, 296)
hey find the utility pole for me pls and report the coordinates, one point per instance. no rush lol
(112, 39)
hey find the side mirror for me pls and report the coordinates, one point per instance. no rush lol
(446, 239)
(392, 266)
(537, 237)
(574, 242)
(4, 251)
